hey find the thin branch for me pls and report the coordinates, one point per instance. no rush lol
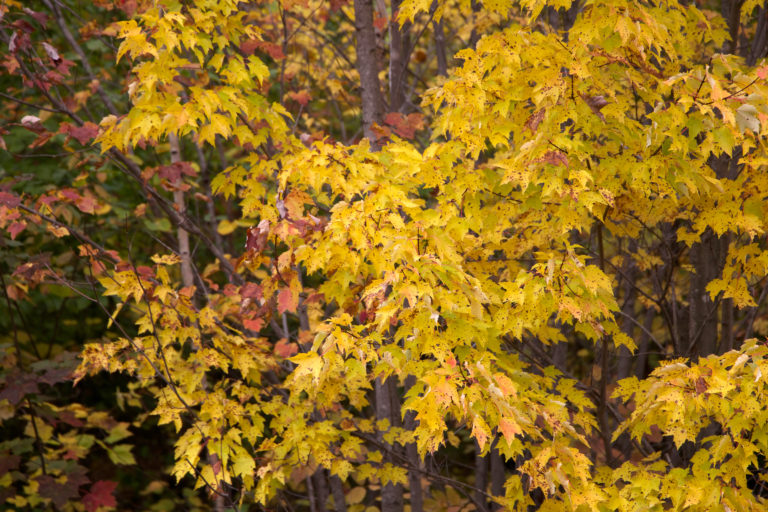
(26, 103)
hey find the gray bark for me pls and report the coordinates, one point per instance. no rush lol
(391, 494)
(625, 357)
(643, 344)
(398, 59)
(412, 454)
(497, 475)
(481, 478)
(757, 49)
(321, 489)
(731, 11)
(337, 490)
(442, 61)
(702, 327)
(368, 68)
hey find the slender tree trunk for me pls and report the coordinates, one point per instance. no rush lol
(337, 490)
(702, 329)
(205, 178)
(391, 494)
(311, 494)
(559, 353)
(187, 275)
(321, 489)
(644, 344)
(387, 403)
(757, 49)
(368, 68)
(474, 36)
(726, 167)
(398, 59)
(481, 478)
(625, 357)
(498, 476)
(731, 10)
(442, 60)
(726, 326)
(412, 454)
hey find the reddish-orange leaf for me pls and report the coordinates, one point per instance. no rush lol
(286, 301)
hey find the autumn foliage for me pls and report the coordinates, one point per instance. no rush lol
(353, 256)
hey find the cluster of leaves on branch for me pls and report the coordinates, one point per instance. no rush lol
(529, 275)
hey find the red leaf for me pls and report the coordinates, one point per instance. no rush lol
(24, 26)
(100, 495)
(381, 132)
(393, 118)
(229, 290)
(175, 171)
(48, 200)
(145, 272)
(256, 238)
(533, 122)
(271, 49)
(337, 4)
(69, 418)
(301, 97)
(286, 301)
(249, 46)
(86, 204)
(15, 228)
(701, 385)
(17, 386)
(595, 103)
(69, 193)
(8, 199)
(8, 462)
(253, 324)
(216, 466)
(285, 349)
(251, 291)
(379, 22)
(39, 17)
(83, 134)
(57, 492)
(555, 158)
(19, 41)
(55, 375)
(405, 126)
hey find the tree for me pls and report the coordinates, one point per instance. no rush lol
(552, 269)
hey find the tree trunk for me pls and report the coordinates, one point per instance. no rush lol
(731, 11)
(757, 49)
(391, 494)
(311, 494)
(481, 478)
(321, 489)
(337, 490)
(398, 59)
(625, 357)
(367, 67)
(643, 344)
(702, 330)
(498, 476)
(442, 61)
(187, 275)
(412, 454)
